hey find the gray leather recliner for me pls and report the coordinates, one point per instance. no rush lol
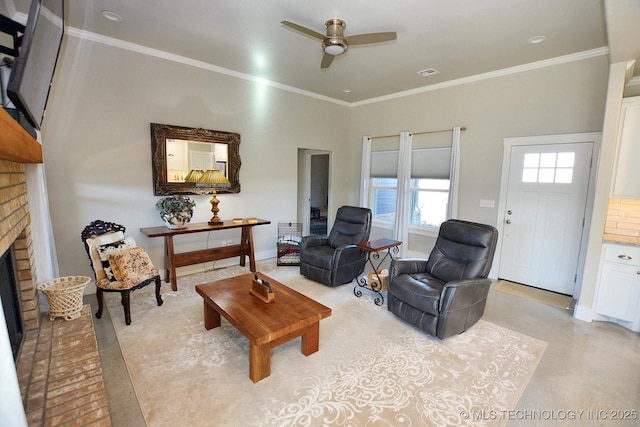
(335, 259)
(446, 294)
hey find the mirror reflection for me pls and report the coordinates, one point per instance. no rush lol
(185, 156)
(179, 154)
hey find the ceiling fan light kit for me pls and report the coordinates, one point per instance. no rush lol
(334, 43)
(333, 48)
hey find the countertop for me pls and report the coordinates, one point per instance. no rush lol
(615, 242)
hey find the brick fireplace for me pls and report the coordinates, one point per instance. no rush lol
(15, 233)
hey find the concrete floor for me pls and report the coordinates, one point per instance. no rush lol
(123, 405)
(590, 371)
(589, 374)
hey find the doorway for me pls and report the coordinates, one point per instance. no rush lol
(544, 210)
(314, 200)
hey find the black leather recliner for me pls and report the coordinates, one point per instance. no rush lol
(335, 259)
(446, 294)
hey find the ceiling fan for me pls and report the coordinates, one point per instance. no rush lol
(335, 43)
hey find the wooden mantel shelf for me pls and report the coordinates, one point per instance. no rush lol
(16, 144)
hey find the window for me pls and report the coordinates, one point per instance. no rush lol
(428, 187)
(384, 192)
(429, 199)
(548, 168)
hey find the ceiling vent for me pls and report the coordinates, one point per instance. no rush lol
(428, 72)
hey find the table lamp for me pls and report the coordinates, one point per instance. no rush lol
(215, 179)
(194, 175)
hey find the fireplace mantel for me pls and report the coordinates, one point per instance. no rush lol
(16, 144)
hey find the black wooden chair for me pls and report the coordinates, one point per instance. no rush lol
(118, 264)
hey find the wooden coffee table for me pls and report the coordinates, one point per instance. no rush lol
(265, 325)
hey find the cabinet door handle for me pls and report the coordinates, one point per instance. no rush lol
(627, 257)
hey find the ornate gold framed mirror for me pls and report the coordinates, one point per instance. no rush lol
(176, 151)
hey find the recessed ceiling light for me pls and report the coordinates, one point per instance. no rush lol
(346, 90)
(537, 39)
(428, 72)
(111, 16)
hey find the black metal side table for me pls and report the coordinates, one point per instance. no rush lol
(374, 249)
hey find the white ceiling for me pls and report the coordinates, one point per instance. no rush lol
(459, 38)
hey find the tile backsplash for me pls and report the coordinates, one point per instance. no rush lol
(623, 221)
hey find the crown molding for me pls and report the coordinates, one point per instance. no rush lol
(86, 35)
(579, 56)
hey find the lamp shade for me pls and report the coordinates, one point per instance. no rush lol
(194, 175)
(214, 178)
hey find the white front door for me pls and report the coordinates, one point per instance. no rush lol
(544, 214)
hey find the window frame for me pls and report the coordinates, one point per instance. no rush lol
(423, 230)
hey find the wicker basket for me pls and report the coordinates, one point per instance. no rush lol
(65, 296)
(372, 280)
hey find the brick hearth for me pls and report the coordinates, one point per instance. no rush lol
(60, 374)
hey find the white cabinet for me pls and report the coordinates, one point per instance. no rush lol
(626, 181)
(619, 285)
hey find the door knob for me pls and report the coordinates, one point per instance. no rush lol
(509, 212)
(508, 221)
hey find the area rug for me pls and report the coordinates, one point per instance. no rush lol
(564, 302)
(372, 368)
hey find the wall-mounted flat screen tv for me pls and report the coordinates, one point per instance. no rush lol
(33, 69)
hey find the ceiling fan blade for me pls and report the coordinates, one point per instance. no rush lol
(371, 38)
(326, 60)
(304, 30)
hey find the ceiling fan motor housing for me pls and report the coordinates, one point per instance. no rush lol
(335, 43)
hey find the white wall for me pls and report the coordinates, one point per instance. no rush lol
(565, 98)
(97, 146)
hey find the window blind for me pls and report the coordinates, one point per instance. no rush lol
(429, 163)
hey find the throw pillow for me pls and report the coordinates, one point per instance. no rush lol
(132, 266)
(111, 248)
(94, 242)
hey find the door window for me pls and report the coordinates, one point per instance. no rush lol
(548, 168)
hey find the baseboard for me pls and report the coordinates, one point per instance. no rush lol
(583, 313)
(631, 325)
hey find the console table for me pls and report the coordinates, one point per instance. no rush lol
(173, 260)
